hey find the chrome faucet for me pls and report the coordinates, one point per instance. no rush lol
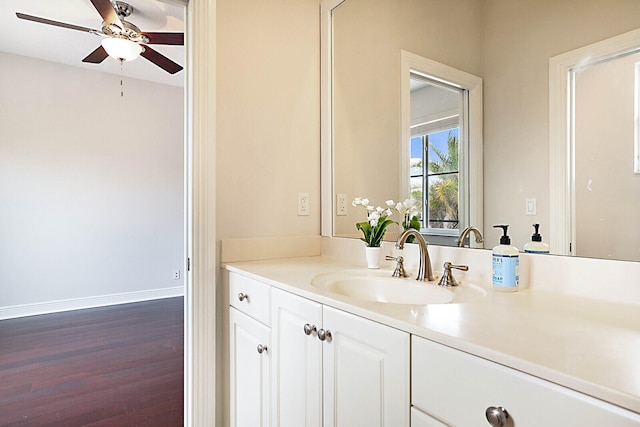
(465, 233)
(424, 271)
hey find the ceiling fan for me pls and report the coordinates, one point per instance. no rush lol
(122, 39)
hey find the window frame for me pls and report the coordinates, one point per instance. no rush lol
(471, 161)
(425, 175)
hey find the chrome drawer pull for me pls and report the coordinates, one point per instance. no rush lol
(309, 329)
(262, 348)
(498, 416)
(324, 335)
(242, 297)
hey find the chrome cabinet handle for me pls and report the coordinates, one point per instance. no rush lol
(262, 348)
(309, 329)
(498, 416)
(324, 335)
(243, 296)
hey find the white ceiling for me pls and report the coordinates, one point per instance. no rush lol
(67, 46)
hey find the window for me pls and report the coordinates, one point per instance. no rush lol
(435, 153)
(435, 174)
(441, 149)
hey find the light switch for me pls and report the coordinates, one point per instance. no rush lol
(530, 206)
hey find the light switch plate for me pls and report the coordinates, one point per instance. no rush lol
(530, 208)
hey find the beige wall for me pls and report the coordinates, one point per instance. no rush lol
(268, 117)
(519, 38)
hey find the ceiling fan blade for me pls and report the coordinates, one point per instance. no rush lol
(97, 56)
(55, 23)
(108, 13)
(160, 60)
(165, 38)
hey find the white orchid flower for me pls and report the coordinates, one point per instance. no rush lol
(374, 217)
(390, 203)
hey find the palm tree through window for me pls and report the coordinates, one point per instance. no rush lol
(435, 173)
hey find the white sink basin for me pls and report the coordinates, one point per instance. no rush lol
(379, 286)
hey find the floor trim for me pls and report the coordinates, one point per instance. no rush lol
(15, 311)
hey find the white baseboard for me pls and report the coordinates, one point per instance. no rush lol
(15, 311)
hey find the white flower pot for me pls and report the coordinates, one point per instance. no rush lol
(374, 256)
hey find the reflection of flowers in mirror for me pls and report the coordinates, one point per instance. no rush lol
(410, 210)
(377, 221)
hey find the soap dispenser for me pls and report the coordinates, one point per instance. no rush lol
(535, 246)
(505, 262)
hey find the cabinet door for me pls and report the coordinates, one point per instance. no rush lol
(366, 372)
(249, 371)
(297, 361)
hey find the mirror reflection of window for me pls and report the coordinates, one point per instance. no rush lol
(435, 155)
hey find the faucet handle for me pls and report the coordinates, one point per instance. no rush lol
(399, 271)
(447, 278)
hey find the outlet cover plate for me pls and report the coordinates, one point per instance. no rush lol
(341, 205)
(303, 204)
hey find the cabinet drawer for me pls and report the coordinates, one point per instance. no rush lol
(457, 388)
(420, 419)
(250, 297)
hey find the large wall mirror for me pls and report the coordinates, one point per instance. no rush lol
(508, 43)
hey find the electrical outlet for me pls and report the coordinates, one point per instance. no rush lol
(303, 204)
(176, 274)
(341, 208)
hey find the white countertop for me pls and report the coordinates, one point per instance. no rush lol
(584, 344)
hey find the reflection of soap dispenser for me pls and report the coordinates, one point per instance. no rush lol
(535, 246)
(505, 262)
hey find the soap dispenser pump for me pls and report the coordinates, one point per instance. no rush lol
(535, 246)
(505, 261)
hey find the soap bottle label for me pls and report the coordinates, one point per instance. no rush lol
(505, 270)
(531, 251)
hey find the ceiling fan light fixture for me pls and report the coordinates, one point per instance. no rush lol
(121, 49)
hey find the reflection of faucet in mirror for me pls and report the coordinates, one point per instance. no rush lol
(465, 233)
(424, 270)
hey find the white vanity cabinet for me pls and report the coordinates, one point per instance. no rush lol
(297, 361)
(365, 372)
(331, 368)
(458, 388)
(249, 352)
(420, 419)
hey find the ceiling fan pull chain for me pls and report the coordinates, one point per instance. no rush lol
(121, 77)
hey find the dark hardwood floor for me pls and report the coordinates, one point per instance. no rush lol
(109, 366)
